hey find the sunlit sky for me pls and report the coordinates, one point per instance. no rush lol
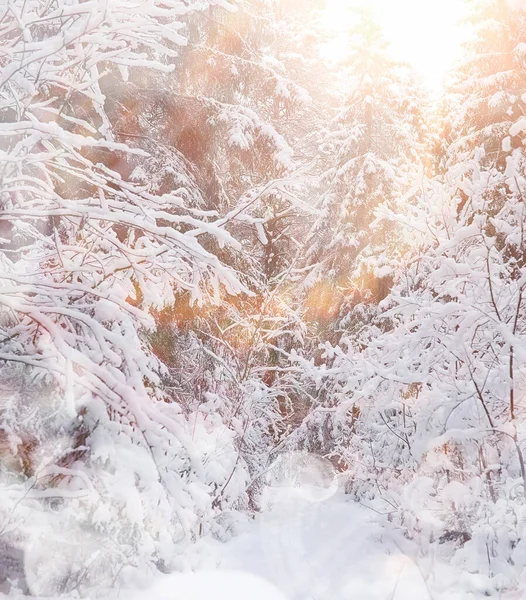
(425, 33)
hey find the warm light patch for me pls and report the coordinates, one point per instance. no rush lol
(424, 33)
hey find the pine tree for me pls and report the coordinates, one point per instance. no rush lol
(243, 63)
(436, 391)
(371, 162)
(487, 93)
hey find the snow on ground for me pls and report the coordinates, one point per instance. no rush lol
(327, 550)
(304, 547)
(213, 585)
(311, 542)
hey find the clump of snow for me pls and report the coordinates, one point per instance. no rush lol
(211, 585)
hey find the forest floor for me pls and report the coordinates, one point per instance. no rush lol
(323, 549)
(306, 547)
(335, 549)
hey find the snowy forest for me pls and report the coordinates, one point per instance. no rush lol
(262, 303)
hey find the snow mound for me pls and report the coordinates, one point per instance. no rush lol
(211, 585)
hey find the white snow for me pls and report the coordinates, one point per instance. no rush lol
(328, 550)
(312, 542)
(305, 549)
(219, 585)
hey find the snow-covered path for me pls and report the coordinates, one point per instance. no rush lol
(325, 550)
(303, 548)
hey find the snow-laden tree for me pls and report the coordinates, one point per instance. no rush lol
(426, 404)
(233, 110)
(370, 166)
(244, 63)
(98, 461)
(440, 400)
(428, 397)
(486, 96)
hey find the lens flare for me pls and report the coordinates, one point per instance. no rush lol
(424, 33)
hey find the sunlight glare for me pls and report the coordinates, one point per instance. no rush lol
(427, 34)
